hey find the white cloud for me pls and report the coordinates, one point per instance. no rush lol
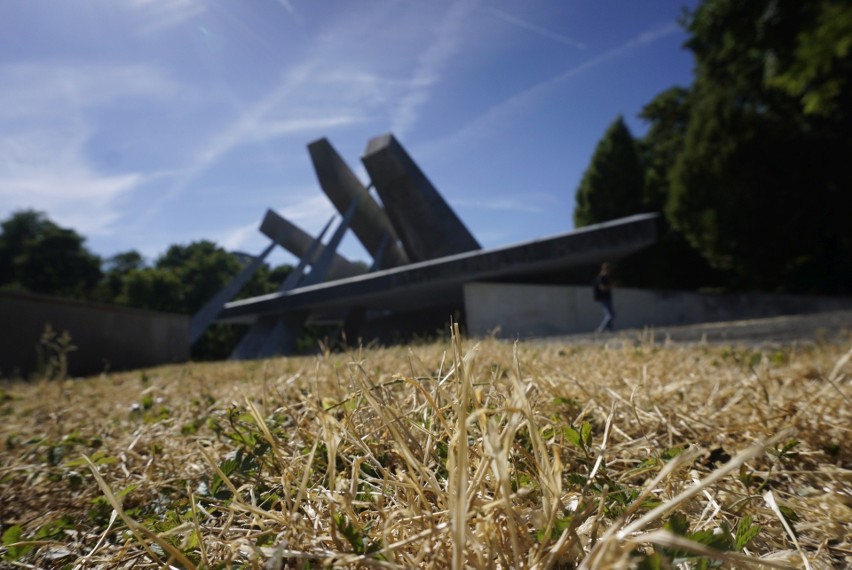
(520, 102)
(311, 212)
(278, 127)
(529, 203)
(238, 237)
(247, 127)
(539, 30)
(157, 15)
(287, 6)
(50, 90)
(430, 63)
(45, 126)
(45, 170)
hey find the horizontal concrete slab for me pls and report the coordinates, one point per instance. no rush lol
(439, 281)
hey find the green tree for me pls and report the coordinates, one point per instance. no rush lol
(672, 262)
(117, 268)
(612, 186)
(21, 227)
(185, 278)
(203, 268)
(761, 186)
(667, 116)
(39, 256)
(153, 288)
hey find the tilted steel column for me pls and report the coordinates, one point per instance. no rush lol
(208, 313)
(252, 343)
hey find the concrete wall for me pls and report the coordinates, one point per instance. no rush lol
(546, 310)
(106, 336)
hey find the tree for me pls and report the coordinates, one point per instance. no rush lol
(21, 226)
(41, 257)
(668, 117)
(153, 288)
(185, 278)
(761, 187)
(612, 186)
(117, 268)
(203, 268)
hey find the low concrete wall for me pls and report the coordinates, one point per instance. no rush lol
(106, 336)
(547, 310)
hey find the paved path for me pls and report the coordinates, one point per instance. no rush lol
(833, 326)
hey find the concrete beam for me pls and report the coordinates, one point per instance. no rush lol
(370, 223)
(298, 242)
(427, 226)
(439, 282)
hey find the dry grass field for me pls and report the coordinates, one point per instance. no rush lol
(627, 453)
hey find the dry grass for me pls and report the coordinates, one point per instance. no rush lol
(489, 455)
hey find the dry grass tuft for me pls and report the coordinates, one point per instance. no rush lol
(629, 454)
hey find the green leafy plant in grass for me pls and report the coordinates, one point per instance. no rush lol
(12, 539)
(17, 545)
(356, 537)
(52, 354)
(723, 539)
(580, 438)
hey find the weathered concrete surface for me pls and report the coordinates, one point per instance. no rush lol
(370, 224)
(427, 226)
(439, 282)
(547, 310)
(106, 336)
(298, 241)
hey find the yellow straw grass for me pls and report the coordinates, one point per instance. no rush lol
(462, 453)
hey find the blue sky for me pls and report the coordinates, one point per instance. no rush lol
(144, 123)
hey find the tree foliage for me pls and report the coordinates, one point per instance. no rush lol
(612, 186)
(749, 163)
(761, 186)
(39, 256)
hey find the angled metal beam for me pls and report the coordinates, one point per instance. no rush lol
(321, 267)
(254, 341)
(425, 223)
(371, 223)
(208, 313)
(285, 330)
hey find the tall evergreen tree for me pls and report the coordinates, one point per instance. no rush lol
(762, 185)
(672, 262)
(612, 186)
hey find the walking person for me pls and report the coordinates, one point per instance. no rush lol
(603, 295)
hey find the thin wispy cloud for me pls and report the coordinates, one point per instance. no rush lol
(276, 128)
(157, 15)
(47, 124)
(247, 127)
(311, 210)
(541, 31)
(47, 90)
(530, 203)
(287, 6)
(427, 73)
(518, 103)
(236, 238)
